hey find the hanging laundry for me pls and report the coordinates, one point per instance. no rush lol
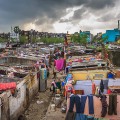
(77, 103)
(7, 86)
(69, 89)
(104, 105)
(70, 116)
(105, 82)
(83, 101)
(68, 77)
(101, 86)
(91, 105)
(80, 116)
(109, 91)
(59, 64)
(93, 88)
(43, 73)
(112, 104)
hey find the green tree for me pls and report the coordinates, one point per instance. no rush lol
(75, 38)
(2, 40)
(83, 39)
(101, 41)
(79, 38)
(23, 39)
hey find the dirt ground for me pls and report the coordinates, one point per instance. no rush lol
(40, 103)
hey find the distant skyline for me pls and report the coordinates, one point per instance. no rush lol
(60, 15)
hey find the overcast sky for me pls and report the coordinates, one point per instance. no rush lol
(60, 15)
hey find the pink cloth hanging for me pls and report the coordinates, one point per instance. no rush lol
(59, 64)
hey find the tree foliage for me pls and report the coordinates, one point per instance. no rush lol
(46, 40)
(50, 40)
(100, 39)
(79, 38)
(2, 40)
(23, 39)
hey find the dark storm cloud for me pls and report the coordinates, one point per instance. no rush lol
(99, 4)
(110, 16)
(78, 14)
(106, 18)
(19, 12)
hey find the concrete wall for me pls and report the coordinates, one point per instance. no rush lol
(16, 60)
(17, 104)
(13, 106)
(0, 107)
(5, 115)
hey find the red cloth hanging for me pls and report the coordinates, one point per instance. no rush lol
(7, 86)
(109, 91)
(93, 88)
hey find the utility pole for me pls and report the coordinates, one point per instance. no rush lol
(118, 24)
(118, 29)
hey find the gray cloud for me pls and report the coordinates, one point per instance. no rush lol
(106, 18)
(99, 4)
(41, 12)
(64, 20)
(79, 13)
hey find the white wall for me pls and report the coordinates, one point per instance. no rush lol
(16, 104)
(0, 108)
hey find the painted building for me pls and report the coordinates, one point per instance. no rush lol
(112, 35)
(89, 35)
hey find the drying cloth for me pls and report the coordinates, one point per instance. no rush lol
(112, 105)
(105, 82)
(77, 103)
(102, 86)
(91, 105)
(59, 64)
(43, 73)
(69, 77)
(93, 88)
(7, 86)
(79, 116)
(70, 116)
(83, 101)
(104, 106)
(84, 85)
(72, 102)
